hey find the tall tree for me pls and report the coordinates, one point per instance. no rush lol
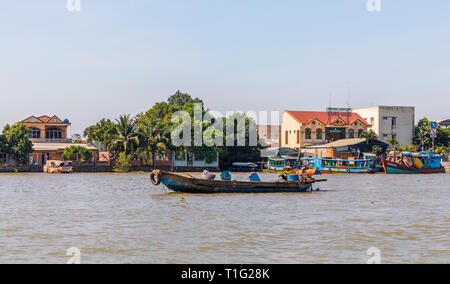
(369, 136)
(127, 137)
(153, 135)
(104, 132)
(180, 99)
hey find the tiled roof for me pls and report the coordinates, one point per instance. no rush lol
(306, 117)
(44, 119)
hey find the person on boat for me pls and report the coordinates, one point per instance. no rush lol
(287, 171)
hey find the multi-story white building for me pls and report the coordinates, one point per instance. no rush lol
(390, 122)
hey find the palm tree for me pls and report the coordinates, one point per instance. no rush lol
(126, 130)
(369, 135)
(153, 137)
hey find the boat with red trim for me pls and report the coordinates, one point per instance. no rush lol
(413, 163)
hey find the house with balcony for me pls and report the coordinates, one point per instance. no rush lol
(49, 136)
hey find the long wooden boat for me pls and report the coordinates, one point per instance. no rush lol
(185, 184)
(391, 167)
(341, 166)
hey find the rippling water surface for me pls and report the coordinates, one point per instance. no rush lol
(116, 218)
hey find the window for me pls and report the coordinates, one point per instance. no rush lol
(34, 133)
(372, 120)
(308, 133)
(385, 118)
(319, 134)
(53, 134)
(385, 135)
(394, 122)
(351, 133)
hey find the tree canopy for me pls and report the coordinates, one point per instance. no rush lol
(15, 142)
(147, 134)
(77, 153)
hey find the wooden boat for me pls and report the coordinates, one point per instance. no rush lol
(181, 183)
(341, 166)
(58, 167)
(417, 163)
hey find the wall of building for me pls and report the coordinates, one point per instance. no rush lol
(383, 116)
(289, 129)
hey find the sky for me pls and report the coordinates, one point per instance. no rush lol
(118, 57)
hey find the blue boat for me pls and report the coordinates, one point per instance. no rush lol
(189, 184)
(343, 166)
(417, 163)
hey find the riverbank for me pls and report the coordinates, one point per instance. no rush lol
(104, 169)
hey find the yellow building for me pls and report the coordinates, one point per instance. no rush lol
(49, 137)
(306, 128)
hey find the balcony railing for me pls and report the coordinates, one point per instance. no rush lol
(51, 140)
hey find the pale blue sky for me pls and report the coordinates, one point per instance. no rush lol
(118, 56)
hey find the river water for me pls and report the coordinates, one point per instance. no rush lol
(122, 218)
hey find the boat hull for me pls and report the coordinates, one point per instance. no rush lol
(396, 168)
(184, 184)
(346, 171)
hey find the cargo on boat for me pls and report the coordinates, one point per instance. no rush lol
(413, 163)
(58, 167)
(189, 184)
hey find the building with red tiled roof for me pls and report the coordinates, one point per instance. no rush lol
(304, 128)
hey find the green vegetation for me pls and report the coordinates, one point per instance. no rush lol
(77, 153)
(377, 150)
(122, 164)
(423, 140)
(369, 136)
(147, 134)
(14, 141)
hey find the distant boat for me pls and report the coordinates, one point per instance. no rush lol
(58, 167)
(326, 165)
(185, 184)
(413, 163)
(342, 166)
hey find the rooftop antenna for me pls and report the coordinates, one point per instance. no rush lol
(348, 103)
(328, 109)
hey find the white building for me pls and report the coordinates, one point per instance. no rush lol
(391, 122)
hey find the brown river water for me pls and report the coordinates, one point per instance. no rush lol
(122, 218)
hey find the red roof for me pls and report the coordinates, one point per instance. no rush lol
(44, 118)
(306, 117)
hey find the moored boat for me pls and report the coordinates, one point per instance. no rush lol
(413, 163)
(189, 184)
(58, 167)
(342, 166)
